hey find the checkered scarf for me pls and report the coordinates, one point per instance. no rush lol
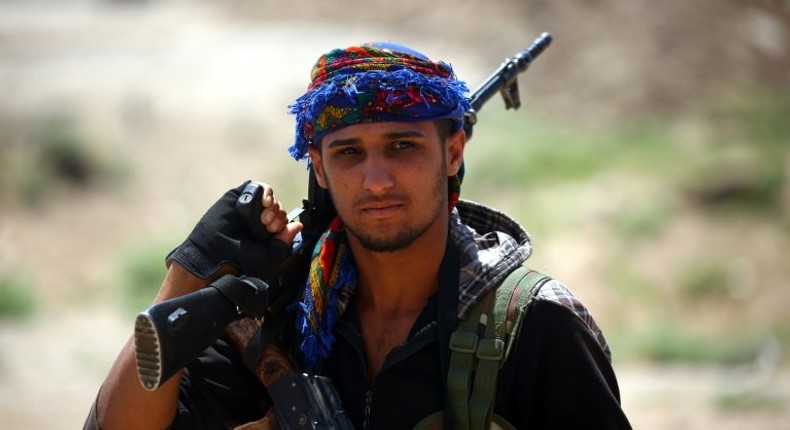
(490, 246)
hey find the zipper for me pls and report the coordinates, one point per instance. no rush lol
(354, 338)
(421, 338)
(368, 405)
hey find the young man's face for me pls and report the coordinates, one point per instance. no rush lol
(388, 180)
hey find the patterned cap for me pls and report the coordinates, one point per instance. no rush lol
(372, 83)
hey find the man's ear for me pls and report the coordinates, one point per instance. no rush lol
(318, 168)
(456, 143)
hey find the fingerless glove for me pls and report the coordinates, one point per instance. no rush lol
(220, 237)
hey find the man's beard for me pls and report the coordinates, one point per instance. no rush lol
(408, 233)
(402, 239)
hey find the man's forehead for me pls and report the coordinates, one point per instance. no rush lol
(386, 130)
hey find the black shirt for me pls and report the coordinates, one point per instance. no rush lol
(557, 377)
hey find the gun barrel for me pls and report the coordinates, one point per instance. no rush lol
(508, 72)
(538, 46)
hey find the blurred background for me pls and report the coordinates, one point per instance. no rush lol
(650, 161)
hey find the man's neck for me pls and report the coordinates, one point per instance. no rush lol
(402, 280)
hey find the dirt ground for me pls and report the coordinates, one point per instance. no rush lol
(190, 98)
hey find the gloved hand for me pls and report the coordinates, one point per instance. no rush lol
(220, 238)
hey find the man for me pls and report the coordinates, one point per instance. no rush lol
(381, 126)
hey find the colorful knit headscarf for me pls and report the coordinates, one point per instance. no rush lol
(362, 84)
(372, 83)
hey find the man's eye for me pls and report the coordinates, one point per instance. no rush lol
(348, 151)
(402, 144)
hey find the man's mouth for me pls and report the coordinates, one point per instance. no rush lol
(381, 209)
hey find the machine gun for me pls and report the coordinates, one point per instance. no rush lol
(170, 334)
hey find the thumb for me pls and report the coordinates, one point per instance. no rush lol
(289, 232)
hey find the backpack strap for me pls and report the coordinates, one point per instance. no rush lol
(490, 352)
(512, 299)
(481, 344)
(463, 347)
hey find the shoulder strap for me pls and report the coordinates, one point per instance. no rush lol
(512, 299)
(481, 344)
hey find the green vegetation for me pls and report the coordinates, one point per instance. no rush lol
(43, 153)
(17, 299)
(142, 272)
(59, 153)
(511, 150)
(743, 164)
(749, 400)
(671, 342)
(739, 156)
(705, 279)
(636, 189)
(643, 221)
(630, 283)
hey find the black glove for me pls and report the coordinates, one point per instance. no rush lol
(222, 237)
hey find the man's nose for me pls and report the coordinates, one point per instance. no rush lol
(378, 177)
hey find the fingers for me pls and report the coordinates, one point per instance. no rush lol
(274, 216)
(267, 196)
(288, 233)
